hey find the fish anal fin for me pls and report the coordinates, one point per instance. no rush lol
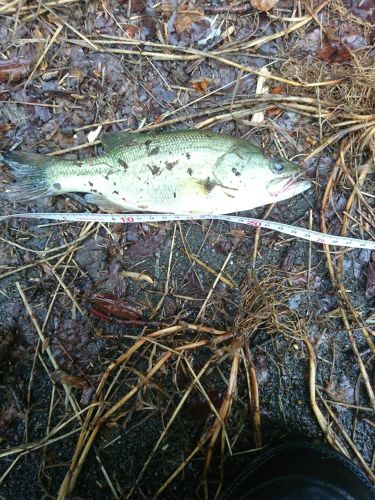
(103, 203)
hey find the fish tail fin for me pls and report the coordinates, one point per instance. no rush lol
(32, 173)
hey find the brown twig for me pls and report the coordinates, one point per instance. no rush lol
(254, 400)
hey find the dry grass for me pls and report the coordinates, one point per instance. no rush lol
(340, 100)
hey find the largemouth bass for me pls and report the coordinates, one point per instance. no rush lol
(185, 171)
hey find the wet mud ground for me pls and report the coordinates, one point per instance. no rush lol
(75, 278)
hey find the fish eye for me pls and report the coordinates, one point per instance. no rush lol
(277, 165)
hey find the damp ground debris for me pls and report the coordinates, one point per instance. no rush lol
(152, 360)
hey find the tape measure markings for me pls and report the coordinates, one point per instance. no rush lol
(299, 232)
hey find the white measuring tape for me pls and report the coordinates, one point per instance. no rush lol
(298, 232)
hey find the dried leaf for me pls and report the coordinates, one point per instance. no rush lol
(277, 90)
(226, 35)
(239, 234)
(47, 269)
(274, 111)
(76, 74)
(94, 134)
(4, 127)
(200, 408)
(149, 27)
(263, 5)
(138, 6)
(132, 30)
(71, 380)
(338, 204)
(223, 246)
(334, 53)
(365, 10)
(137, 276)
(354, 40)
(107, 306)
(167, 7)
(201, 85)
(54, 19)
(87, 395)
(146, 247)
(185, 18)
(72, 344)
(191, 287)
(13, 70)
(370, 286)
(331, 34)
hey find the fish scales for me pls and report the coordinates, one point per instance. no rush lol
(188, 171)
(178, 169)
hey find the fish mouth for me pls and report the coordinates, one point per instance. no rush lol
(297, 182)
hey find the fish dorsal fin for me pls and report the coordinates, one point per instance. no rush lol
(112, 140)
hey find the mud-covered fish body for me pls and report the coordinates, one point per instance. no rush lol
(186, 171)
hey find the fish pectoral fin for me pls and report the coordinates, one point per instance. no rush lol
(103, 203)
(112, 140)
(206, 186)
(190, 187)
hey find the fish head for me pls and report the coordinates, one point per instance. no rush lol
(285, 179)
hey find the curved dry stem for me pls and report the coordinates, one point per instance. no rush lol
(225, 407)
(326, 428)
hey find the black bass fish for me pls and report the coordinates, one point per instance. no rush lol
(184, 171)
